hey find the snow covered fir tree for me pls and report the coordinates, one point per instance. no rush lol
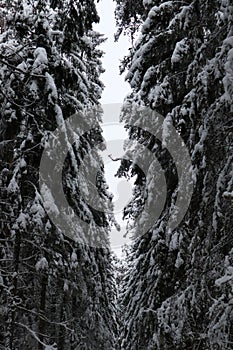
(54, 292)
(176, 287)
(178, 290)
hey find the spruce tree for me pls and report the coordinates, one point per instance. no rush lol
(178, 290)
(55, 293)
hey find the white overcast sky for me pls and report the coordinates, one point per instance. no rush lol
(115, 87)
(114, 93)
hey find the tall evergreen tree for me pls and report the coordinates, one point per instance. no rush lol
(178, 290)
(55, 293)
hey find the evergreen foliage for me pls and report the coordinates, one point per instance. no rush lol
(55, 293)
(178, 290)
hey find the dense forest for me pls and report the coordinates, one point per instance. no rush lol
(55, 292)
(174, 289)
(178, 288)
